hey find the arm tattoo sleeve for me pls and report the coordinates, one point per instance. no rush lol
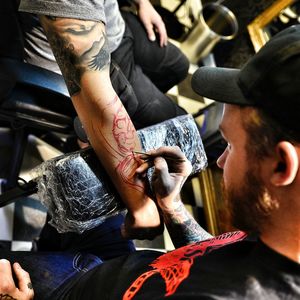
(183, 228)
(81, 46)
(78, 46)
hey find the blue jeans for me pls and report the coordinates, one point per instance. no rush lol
(71, 255)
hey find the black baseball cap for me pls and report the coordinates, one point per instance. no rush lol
(270, 80)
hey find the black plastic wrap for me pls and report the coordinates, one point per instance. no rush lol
(77, 191)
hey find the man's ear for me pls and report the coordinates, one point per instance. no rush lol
(287, 164)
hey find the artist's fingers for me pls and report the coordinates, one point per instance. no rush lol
(24, 282)
(161, 169)
(144, 167)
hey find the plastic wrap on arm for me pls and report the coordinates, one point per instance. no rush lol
(78, 192)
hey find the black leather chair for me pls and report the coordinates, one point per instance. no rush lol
(33, 101)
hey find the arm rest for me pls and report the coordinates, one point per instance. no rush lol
(20, 72)
(79, 194)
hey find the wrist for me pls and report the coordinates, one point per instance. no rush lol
(169, 205)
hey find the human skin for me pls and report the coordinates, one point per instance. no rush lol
(171, 169)
(278, 177)
(80, 48)
(9, 290)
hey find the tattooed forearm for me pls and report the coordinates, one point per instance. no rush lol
(124, 132)
(120, 143)
(125, 137)
(78, 46)
(6, 297)
(183, 228)
(122, 139)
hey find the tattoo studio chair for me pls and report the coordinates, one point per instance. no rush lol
(33, 101)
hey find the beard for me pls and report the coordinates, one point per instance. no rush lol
(249, 205)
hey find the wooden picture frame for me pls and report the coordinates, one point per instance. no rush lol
(256, 30)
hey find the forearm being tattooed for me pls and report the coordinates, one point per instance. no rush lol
(124, 134)
(81, 47)
(81, 50)
(182, 227)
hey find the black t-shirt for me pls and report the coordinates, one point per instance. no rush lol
(226, 267)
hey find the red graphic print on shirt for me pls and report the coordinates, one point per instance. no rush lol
(174, 267)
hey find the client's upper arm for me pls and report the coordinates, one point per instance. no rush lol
(78, 46)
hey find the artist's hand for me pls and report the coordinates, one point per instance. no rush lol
(8, 289)
(171, 171)
(152, 22)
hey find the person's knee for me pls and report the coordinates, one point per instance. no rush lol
(177, 62)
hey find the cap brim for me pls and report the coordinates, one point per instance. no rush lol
(219, 84)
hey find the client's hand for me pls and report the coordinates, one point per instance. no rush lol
(171, 171)
(8, 289)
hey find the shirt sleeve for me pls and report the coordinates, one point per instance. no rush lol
(92, 10)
